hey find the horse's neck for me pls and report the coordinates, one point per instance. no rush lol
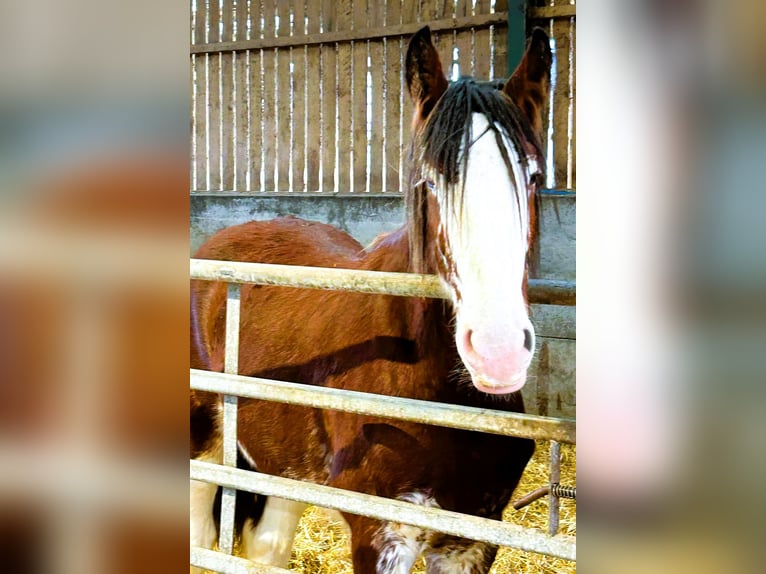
(427, 319)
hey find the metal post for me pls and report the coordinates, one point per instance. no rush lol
(517, 33)
(553, 504)
(231, 364)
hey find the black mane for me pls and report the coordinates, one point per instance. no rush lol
(439, 143)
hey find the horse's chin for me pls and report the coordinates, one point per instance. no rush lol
(492, 387)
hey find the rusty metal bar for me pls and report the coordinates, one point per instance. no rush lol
(541, 291)
(217, 562)
(555, 478)
(557, 489)
(463, 525)
(531, 497)
(231, 364)
(427, 412)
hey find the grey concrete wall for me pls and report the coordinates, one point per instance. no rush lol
(550, 389)
(364, 217)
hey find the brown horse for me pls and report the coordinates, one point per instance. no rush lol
(474, 166)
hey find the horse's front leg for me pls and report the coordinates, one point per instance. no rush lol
(451, 555)
(270, 539)
(383, 547)
(205, 444)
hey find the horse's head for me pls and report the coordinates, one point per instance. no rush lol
(476, 161)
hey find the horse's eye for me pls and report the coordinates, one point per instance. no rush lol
(430, 185)
(537, 179)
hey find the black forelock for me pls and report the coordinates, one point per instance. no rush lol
(440, 144)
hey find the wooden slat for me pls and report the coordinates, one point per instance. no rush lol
(481, 21)
(201, 121)
(573, 140)
(482, 49)
(359, 107)
(313, 101)
(299, 119)
(284, 119)
(228, 90)
(463, 8)
(242, 137)
(464, 43)
(377, 138)
(256, 122)
(241, 19)
(200, 24)
(561, 103)
(428, 10)
(500, 44)
(255, 100)
(444, 44)
(564, 11)
(500, 56)
(214, 99)
(411, 18)
(299, 18)
(345, 104)
(255, 13)
(214, 18)
(329, 99)
(376, 164)
(227, 18)
(214, 122)
(269, 104)
(298, 158)
(393, 81)
(410, 12)
(446, 9)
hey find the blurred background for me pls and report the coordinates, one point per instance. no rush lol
(94, 132)
(672, 285)
(94, 187)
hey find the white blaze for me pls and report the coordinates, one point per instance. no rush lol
(488, 240)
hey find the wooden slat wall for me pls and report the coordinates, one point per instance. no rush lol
(302, 118)
(561, 118)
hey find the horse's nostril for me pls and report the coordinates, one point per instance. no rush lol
(528, 340)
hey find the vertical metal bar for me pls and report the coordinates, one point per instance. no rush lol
(517, 33)
(553, 504)
(231, 363)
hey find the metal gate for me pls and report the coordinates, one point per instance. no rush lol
(233, 386)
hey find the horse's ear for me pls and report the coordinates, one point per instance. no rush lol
(530, 83)
(425, 77)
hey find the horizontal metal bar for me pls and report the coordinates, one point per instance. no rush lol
(540, 291)
(467, 418)
(219, 562)
(551, 12)
(379, 282)
(457, 524)
(393, 31)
